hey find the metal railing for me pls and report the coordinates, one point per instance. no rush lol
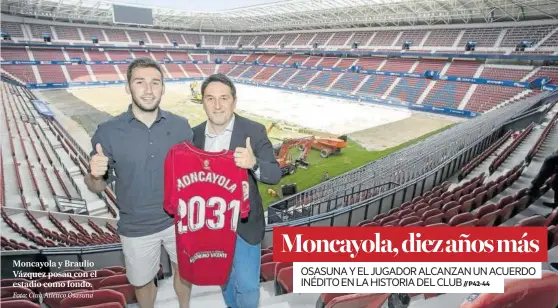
(318, 204)
(73, 205)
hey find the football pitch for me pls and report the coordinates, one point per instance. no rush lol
(351, 157)
(373, 131)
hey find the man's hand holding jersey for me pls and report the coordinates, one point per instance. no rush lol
(244, 157)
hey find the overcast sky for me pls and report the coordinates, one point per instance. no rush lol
(196, 5)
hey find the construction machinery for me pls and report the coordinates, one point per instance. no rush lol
(328, 146)
(196, 96)
(270, 127)
(285, 159)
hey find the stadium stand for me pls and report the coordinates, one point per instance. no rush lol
(407, 90)
(473, 174)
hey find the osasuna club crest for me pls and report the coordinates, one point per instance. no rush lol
(206, 164)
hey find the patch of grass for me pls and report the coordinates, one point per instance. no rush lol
(351, 157)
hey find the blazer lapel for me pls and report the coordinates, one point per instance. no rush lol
(238, 138)
(199, 136)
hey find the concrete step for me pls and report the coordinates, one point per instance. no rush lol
(97, 208)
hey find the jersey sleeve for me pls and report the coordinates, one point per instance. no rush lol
(169, 203)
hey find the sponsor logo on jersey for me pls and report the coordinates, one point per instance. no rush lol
(245, 190)
(208, 254)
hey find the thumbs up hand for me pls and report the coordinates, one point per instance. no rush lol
(98, 163)
(244, 157)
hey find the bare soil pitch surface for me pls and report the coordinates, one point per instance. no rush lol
(77, 108)
(393, 134)
(90, 106)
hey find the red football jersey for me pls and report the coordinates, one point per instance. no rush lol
(206, 192)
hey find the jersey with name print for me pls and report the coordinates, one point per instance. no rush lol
(208, 195)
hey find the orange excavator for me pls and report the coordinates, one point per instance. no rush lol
(284, 157)
(326, 146)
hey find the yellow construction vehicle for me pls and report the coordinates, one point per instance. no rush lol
(196, 95)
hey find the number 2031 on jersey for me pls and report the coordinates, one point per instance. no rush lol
(197, 213)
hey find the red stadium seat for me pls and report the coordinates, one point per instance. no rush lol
(128, 290)
(95, 297)
(552, 236)
(325, 298)
(392, 218)
(285, 280)
(100, 275)
(9, 282)
(460, 219)
(432, 216)
(278, 268)
(20, 304)
(436, 205)
(49, 280)
(408, 221)
(267, 271)
(533, 221)
(520, 293)
(8, 294)
(267, 258)
(506, 212)
(282, 265)
(504, 201)
(391, 224)
(358, 301)
(406, 205)
(379, 217)
(265, 251)
(360, 224)
(115, 280)
(76, 273)
(522, 204)
(105, 305)
(53, 279)
(487, 214)
(440, 224)
(116, 269)
(552, 219)
(404, 212)
(421, 208)
(55, 294)
(450, 209)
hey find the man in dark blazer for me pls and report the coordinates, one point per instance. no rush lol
(253, 151)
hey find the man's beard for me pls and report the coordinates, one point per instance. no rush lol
(146, 109)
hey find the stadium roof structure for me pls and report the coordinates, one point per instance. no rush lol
(300, 14)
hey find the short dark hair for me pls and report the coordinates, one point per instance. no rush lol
(143, 62)
(219, 78)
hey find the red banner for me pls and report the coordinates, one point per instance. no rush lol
(410, 244)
